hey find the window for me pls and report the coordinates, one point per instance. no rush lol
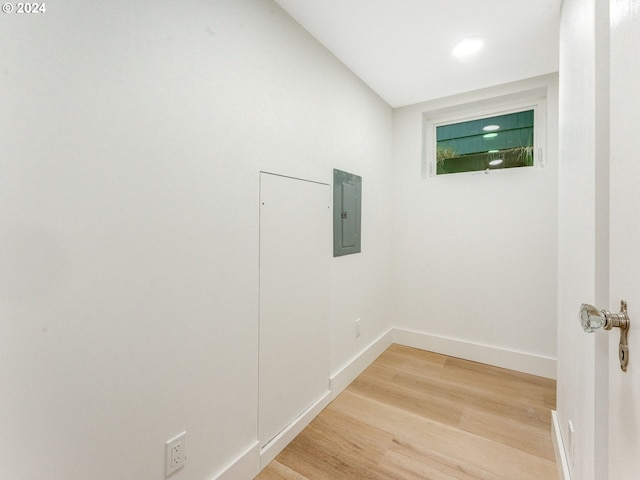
(503, 141)
(485, 136)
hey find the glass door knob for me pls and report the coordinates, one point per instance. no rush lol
(592, 319)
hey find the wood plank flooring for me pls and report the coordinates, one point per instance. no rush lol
(419, 415)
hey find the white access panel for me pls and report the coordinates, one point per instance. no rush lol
(295, 251)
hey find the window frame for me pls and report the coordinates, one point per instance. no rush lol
(477, 111)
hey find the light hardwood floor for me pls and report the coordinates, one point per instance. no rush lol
(419, 415)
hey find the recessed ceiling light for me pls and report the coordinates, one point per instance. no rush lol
(489, 135)
(495, 162)
(491, 128)
(467, 47)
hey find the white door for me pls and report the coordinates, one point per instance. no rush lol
(624, 387)
(295, 251)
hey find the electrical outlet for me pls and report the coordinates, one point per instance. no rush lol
(357, 327)
(175, 453)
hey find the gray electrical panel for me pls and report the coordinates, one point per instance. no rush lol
(347, 208)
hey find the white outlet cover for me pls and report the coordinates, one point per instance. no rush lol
(175, 453)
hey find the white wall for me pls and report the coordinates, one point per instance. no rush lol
(475, 254)
(132, 136)
(583, 234)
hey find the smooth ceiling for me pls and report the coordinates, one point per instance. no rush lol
(402, 48)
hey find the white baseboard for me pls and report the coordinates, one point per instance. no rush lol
(490, 355)
(275, 446)
(254, 459)
(245, 466)
(558, 446)
(248, 464)
(348, 373)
